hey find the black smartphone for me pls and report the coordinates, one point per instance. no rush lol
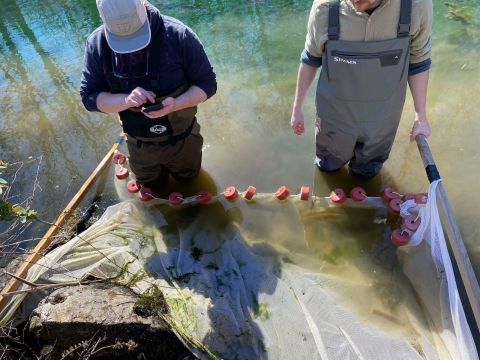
(157, 106)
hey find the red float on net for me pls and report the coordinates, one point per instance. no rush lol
(249, 193)
(304, 193)
(400, 237)
(203, 197)
(420, 198)
(119, 158)
(408, 196)
(231, 193)
(282, 193)
(175, 199)
(412, 222)
(394, 206)
(134, 186)
(122, 173)
(389, 194)
(338, 196)
(145, 194)
(358, 194)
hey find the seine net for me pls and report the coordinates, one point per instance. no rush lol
(266, 280)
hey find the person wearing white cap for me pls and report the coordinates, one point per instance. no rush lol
(152, 70)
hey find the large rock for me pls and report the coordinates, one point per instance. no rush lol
(100, 320)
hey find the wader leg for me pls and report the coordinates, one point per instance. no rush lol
(370, 169)
(185, 158)
(144, 164)
(334, 147)
(370, 155)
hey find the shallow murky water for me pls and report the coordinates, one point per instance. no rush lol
(254, 47)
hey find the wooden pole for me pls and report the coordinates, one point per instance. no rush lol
(451, 228)
(37, 253)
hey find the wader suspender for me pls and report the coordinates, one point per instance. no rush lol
(334, 23)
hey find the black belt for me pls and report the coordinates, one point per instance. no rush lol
(172, 140)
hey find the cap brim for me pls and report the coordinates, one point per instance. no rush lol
(129, 43)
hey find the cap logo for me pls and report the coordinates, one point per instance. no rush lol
(126, 24)
(123, 27)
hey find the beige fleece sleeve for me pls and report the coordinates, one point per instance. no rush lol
(420, 48)
(317, 33)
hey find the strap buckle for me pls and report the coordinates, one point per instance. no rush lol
(403, 30)
(333, 32)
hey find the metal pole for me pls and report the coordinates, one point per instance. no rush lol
(451, 228)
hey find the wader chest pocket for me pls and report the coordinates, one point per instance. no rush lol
(364, 76)
(387, 58)
(138, 125)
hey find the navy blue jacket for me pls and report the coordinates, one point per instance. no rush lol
(180, 58)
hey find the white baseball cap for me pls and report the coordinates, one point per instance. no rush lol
(126, 24)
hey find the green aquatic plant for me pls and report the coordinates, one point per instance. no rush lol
(151, 303)
(456, 12)
(260, 310)
(9, 211)
(468, 15)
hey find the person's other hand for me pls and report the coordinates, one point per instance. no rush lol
(139, 97)
(297, 122)
(169, 105)
(420, 127)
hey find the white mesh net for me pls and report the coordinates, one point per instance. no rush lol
(237, 290)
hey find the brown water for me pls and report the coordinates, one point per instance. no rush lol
(254, 47)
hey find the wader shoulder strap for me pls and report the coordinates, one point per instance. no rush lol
(404, 22)
(334, 23)
(333, 19)
(154, 60)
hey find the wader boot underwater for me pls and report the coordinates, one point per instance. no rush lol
(360, 97)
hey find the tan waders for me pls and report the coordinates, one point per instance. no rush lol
(360, 97)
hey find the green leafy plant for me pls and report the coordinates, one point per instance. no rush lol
(25, 214)
(7, 209)
(3, 182)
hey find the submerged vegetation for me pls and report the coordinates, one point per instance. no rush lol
(151, 303)
(466, 11)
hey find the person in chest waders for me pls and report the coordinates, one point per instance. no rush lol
(367, 49)
(139, 58)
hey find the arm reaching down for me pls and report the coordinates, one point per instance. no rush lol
(418, 86)
(306, 75)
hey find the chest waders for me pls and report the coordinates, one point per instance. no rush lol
(360, 97)
(157, 148)
(166, 130)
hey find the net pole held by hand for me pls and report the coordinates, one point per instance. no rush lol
(453, 233)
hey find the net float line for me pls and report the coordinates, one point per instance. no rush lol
(389, 199)
(358, 196)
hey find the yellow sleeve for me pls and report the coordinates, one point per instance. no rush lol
(317, 33)
(422, 19)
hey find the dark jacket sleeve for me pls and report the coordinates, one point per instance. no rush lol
(93, 80)
(198, 70)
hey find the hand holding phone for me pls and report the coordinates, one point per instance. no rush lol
(154, 107)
